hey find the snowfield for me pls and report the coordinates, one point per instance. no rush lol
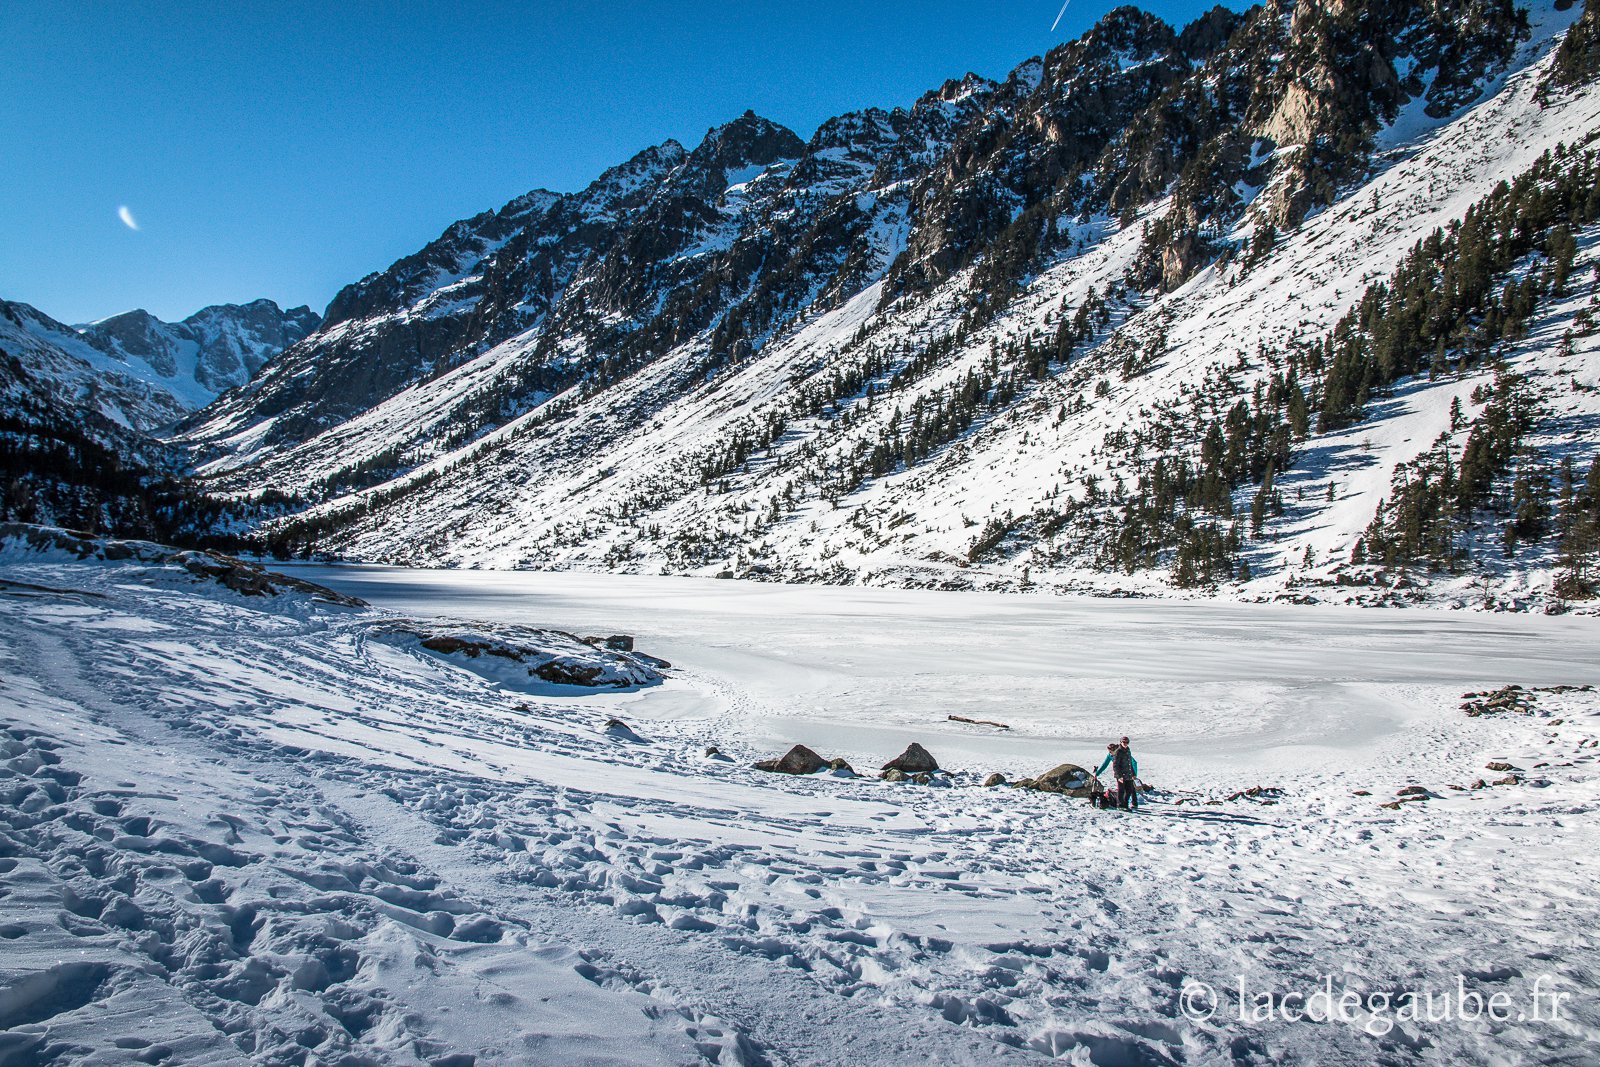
(266, 829)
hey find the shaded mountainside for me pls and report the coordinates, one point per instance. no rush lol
(1084, 325)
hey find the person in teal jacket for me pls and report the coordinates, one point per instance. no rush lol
(1125, 769)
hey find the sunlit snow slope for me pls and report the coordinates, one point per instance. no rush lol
(839, 446)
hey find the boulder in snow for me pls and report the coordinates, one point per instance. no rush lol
(798, 760)
(914, 760)
(1067, 778)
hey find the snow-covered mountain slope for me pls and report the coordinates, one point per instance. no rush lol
(77, 444)
(144, 373)
(246, 829)
(989, 341)
(728, 243)
(213, 350)
(64, 365)
(849, 446)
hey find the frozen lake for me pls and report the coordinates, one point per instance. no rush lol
(1206, 688)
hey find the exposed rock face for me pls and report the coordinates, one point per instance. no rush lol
(798, 760)
(525, 653)
(914, 760)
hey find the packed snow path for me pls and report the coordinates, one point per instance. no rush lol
(257, 829)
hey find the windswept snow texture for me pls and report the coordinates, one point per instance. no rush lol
(261, 829)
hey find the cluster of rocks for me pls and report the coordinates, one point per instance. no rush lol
(915, 764)
(624, 643)
(1411, 794)
(802, 760)
(1256, 794)
(1512, 698)
(551, 656)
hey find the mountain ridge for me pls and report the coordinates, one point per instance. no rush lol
(780, 358)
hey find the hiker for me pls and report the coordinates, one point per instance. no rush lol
(1124, 768)
(1133, 775)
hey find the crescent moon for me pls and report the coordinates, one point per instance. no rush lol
(127, 217)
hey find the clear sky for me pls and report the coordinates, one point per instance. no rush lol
(285, 150)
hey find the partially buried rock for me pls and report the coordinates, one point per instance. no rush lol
(1411, 791)
(914, 760)
(841, 767)
(994, 779)
(893, 774)
(798, 760)
(924, 778)
(1068, 778)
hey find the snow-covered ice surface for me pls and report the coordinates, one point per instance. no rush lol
(256, 829)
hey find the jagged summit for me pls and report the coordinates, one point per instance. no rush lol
(215, 349)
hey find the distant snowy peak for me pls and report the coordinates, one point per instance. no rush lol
(56, 366)
(213, 350)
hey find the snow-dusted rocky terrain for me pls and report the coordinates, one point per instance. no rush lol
(1288, 306)
(276, 829)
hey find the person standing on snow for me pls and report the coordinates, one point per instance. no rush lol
(1133, 776)
(1124, 768)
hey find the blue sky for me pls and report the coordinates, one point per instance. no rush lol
(285, 150)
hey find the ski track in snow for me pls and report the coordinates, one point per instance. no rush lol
(243, 830)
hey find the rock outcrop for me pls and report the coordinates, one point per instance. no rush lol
(798, 760)
(914, 760)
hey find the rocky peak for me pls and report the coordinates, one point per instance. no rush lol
(849, 147)
(216, 348)
(138, 334)
(729, 152)
(641, 173)
(1206, 35)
